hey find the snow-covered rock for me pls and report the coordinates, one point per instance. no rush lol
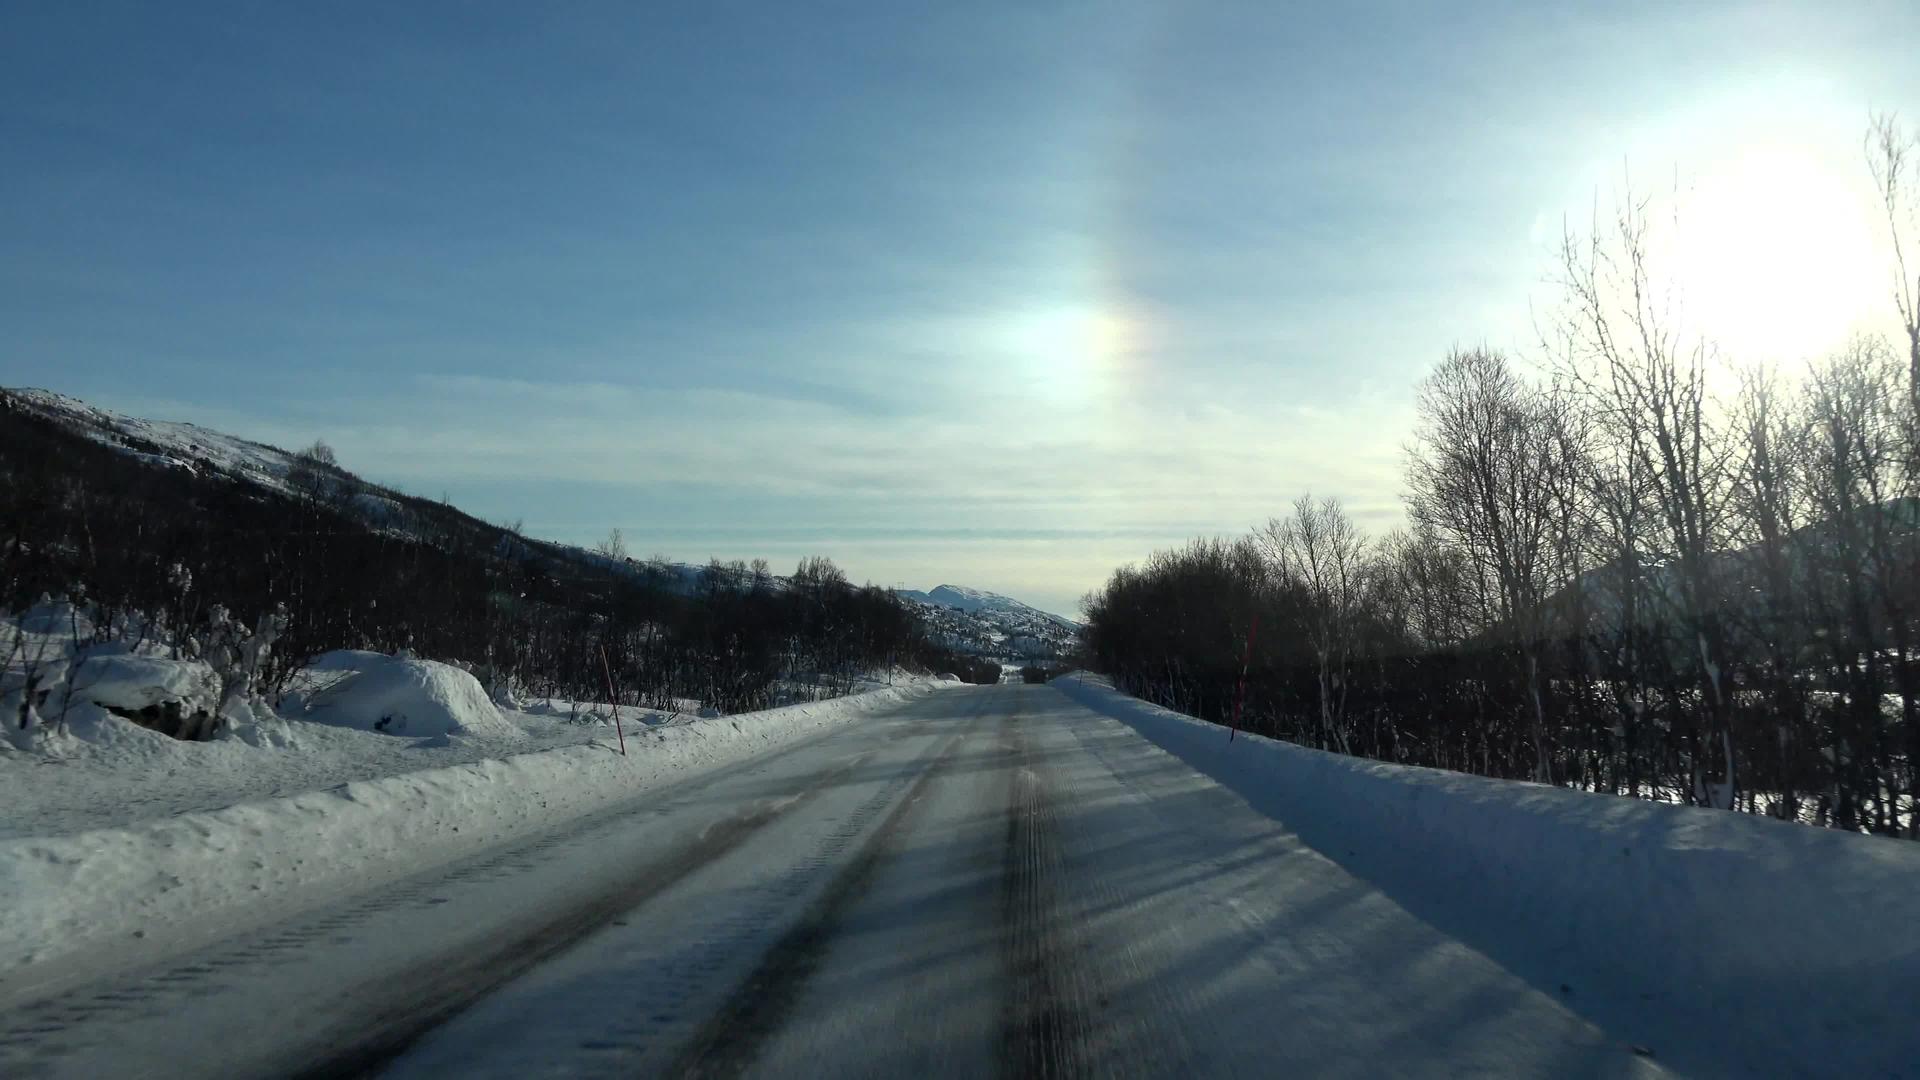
(396, 695)
(52, 677)
(115, 678)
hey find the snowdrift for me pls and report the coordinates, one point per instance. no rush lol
(397, 695)
(185, 880)
(1709, 920)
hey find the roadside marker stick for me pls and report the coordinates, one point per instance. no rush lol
(1240, 694)
(612, 701)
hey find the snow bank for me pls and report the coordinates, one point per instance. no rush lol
(188, 879)
(396, 695)
(1795, 936)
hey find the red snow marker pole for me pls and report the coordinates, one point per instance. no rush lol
(611, 701)
(1240, 694)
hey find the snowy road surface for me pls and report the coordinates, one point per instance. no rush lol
(984, 881)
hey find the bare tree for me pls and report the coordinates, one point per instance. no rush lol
(1647, 379)
(1770, 511)
(1319, 551)
(1481, 476)
(1431, 580)
(1891, 158)
(322, 454)
(314, 475)
(1862, 556)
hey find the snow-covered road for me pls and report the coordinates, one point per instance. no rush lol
(979, 881)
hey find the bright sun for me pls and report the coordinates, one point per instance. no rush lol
(1776, 256)
(1075, 352)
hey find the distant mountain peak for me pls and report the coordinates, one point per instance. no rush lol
(974, 600)
(988, 624)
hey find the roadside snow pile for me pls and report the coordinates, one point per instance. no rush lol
(61, 671)
(115, 677)
(397, 695)
(181, 881)
(57, 684)
(1661, 918)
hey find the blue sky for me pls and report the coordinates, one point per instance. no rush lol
(1001, 295)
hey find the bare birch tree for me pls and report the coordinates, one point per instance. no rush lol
(1320, 551)
(1647, 379)
(1480, 476)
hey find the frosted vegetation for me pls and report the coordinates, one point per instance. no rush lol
(67, 669)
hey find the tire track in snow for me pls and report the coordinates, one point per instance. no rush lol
(443, 992)
(40, 1037)
(666, 973)
(1045, 1022)
(730, 1040)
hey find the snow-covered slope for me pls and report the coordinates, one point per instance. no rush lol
(988, 624)
(164, 443)
(961, 598)
(206, 452)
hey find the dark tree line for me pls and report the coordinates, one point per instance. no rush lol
(350, 565)
(1627, 574)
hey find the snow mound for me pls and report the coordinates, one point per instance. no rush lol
(398, 695)
(129, 682)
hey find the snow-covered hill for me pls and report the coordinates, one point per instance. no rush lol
(209, 453)
(979, 600)
(163, 443)
(972, 621)
(988, 624)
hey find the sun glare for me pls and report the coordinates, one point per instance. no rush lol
(1075, 351)
(1775, 255)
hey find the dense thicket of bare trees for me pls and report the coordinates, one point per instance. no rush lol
(1638, 569)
